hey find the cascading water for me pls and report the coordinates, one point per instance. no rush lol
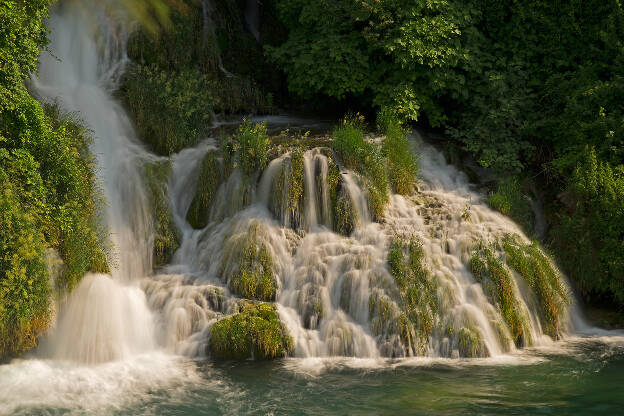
(335, 293)
(106, 317)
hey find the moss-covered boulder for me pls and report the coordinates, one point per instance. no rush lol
(497, 284)
(346, 216)
(470, 344)
(255, 332)
(166, 234)
(211, 176)
(247, 265)
(543, 278)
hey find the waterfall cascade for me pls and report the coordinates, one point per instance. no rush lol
(329, 274)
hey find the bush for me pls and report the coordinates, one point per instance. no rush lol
(171, 110)
(511, 201)
(589, 240)
(24, 287)
(364, 158)
(253, 145)
(402, 164)
(255, 332)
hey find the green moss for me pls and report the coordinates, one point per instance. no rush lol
(255, 332)
(346, 217)
(470, 344)
(497, 284)
(247, 266)
(210, 178)
(166, 234)
(288, 196)
(295, 178)
(417, 289)
(543, 277)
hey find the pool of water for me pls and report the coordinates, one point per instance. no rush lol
(578, 376)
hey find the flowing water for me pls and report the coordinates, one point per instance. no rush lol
(135, 341)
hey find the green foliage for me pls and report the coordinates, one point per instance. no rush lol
(253, 145)
(402, 164)
(498, 286)
(247, 265)
(24, 286)
(417, 287)
(210, 178)
(383, 53)
(543, 277)
(166, 234)
(590, 238)
(255, 332)
(510, 200)
(48, 192)
(366, 159)
(170, 110)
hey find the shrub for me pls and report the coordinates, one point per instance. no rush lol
(510, 200)
(364, 158)
(24, 287)
(253, 145)
(402, 164)
(589, 239)
(170, 109)
(255, 332)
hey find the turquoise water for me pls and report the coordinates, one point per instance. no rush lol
(583, 376)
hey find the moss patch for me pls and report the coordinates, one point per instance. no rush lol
(417, 290)
(497, 284)
(543, 277)
(167, 236)
(247, 266)
(255, 332)
(346, 217)
(470, 344)
(210, 178)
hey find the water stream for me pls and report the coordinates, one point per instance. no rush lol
(135, 340)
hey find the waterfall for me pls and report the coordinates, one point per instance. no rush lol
(107, 317)
(333, 287)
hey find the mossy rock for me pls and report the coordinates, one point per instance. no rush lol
(470, 344)
(497, 284)
(210, 178)
(247, 265)
(167, 236)
(288, 197)
(255, 332)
